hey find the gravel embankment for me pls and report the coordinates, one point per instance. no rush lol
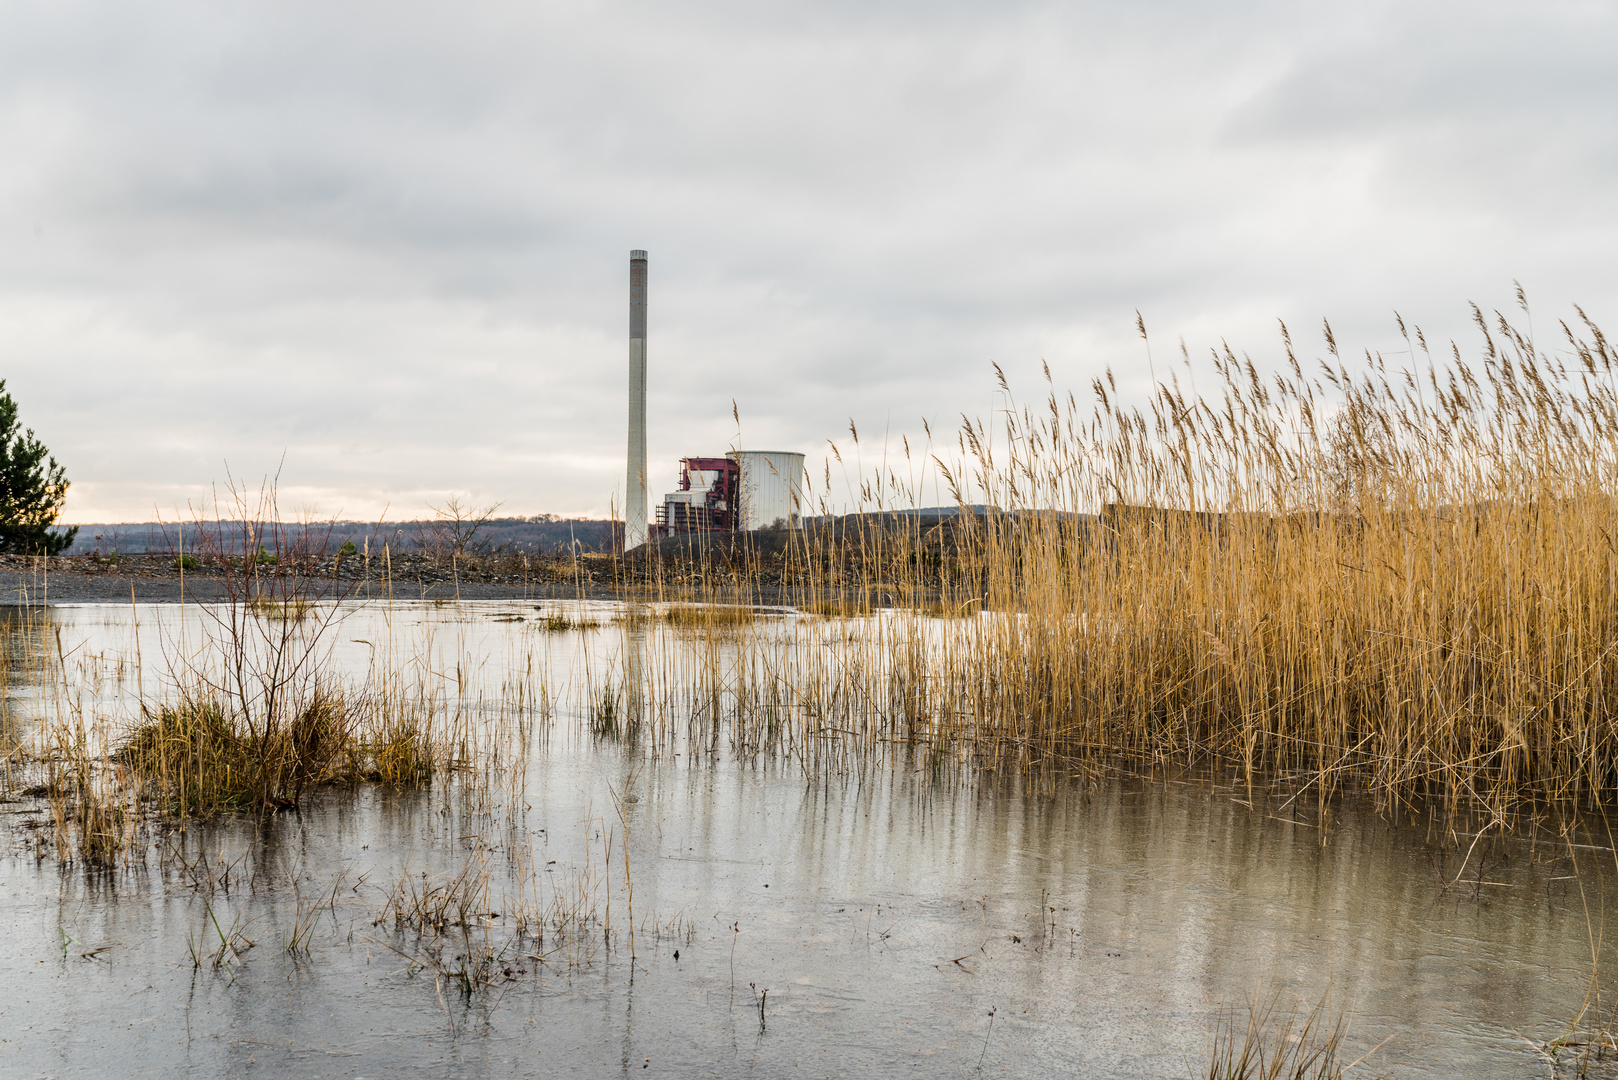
(158, 579)
(407, 576)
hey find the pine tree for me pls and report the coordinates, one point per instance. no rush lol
(33, 488)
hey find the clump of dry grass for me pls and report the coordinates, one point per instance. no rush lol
(256, 713)
(198, 757)
(1277, 1047)
(398, 750)
(558, 622)
(294, 609)
(707, 616)
(428, 907)
(94, 810)
(194, 757)
(1401, 580)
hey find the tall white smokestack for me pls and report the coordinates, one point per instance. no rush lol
(635, 477)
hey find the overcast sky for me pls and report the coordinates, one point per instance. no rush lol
(389, 241)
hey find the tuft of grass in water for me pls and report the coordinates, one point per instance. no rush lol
(197, 757)
(707, 616)
(1269, 1046)
(290, 610)
(193, 758)
(607, 719)
(399, 751)
(233, 942)
(555, 622)
(434, 907)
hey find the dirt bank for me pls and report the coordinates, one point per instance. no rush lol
(160, 579)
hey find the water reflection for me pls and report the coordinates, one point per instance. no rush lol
(884, 909)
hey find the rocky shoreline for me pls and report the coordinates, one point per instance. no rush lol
(151, 578)
(30, 580)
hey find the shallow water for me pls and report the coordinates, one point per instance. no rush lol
(902, 922)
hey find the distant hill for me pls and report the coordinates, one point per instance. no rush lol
(543, 534)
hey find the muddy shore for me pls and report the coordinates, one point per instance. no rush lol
(161, 579)
(73, 588)
(158, 579)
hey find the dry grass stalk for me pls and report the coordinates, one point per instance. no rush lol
(255, 713)
(1272, 1047)
(1400, 581)
(196, 758)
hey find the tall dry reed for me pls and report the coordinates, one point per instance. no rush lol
(1399, 579)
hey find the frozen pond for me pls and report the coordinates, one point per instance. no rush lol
(904, 920)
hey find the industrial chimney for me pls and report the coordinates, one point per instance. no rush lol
(635, 477)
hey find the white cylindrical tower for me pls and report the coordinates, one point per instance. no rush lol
(772, 488)
(635, 475)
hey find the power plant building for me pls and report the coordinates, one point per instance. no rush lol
(772, 489)
(743, 491)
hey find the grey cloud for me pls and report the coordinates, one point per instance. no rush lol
(390, 239)
(1477, 107)
(1423, 68)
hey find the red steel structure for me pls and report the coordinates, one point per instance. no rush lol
(708, 500)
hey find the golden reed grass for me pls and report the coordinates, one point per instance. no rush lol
(1272, 1045)
(1399, 579)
